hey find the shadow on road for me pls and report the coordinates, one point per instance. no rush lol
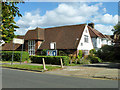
(105, 65)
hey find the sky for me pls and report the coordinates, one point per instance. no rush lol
(52, 14)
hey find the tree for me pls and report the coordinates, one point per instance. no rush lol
(8, 25)
(117, 34)
(117, 28)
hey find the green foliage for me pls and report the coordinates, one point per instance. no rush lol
(94, 59)
(7, 56)
(80, 54)
(117, 28)
(83, 61)
(62, 53)
(109, 53)
(44, 51)
(92, 51)
(50, 59)
(9, 11)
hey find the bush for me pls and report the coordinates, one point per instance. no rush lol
(80, 54)
(50, 59)
(109, 53)
(92, 51)
(94, 59)
(7, 56)
(83, 61)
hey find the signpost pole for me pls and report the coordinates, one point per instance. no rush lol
(12, 54)
(21, 54)
(44, 64)
(61, 62)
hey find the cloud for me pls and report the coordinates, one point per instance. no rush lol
(105, 29)
(65, 13)
(104, 10)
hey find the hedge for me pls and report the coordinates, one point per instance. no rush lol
(7, 56)
(50, 59)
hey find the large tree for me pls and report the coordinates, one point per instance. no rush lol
(117, 33)
(117, 28)
(8, 25)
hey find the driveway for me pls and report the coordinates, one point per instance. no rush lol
(103, 70)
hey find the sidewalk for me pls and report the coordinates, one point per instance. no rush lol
(88, 72)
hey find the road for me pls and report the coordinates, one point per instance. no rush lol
(22, 79)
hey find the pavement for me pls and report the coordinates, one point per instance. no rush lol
(12, 78)
(101, 71)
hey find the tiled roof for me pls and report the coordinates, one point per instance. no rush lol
(95, 33)
(9, 46)
(36, 34)
(66, 37)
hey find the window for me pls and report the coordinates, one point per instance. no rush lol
(85, 38)
(81, 44)
(53, 45)
(31, 47)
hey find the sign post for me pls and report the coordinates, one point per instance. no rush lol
(44, 64)
(13, 53)
(21, 54)
(17, 41)
(61, 62)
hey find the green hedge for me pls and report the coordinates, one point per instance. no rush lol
(50, 59)
(7, 56)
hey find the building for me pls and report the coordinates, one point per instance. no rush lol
(98, 38)
(70, 39)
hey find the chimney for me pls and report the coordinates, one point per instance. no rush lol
(91, 25)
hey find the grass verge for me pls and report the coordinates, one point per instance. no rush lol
(30, 67)
(8, 62)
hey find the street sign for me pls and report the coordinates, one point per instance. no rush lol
(1, 42)
(18, 41)
(51, 52)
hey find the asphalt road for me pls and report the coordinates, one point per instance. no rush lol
(22, 79)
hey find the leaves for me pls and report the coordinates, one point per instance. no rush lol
(9, 11)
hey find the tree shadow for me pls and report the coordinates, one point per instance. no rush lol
(104, 65)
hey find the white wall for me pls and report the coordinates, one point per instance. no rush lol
(99, 42)
(105, 41)
(85, 46)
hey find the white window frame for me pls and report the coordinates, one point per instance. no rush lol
(31, 47)
(86, 38)
(53, 45)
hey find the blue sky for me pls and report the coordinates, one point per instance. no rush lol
(50, 14)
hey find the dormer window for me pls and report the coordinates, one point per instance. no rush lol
(53, 45)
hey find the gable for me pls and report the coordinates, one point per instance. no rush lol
(85, 45)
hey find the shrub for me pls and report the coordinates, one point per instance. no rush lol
(80, 54)
(94, 59)
(83, 61)
(7, 56)
(92, 51)
(50, 59)
(109, 53)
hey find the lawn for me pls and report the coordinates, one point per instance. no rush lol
(8, 62)
(30, 67)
